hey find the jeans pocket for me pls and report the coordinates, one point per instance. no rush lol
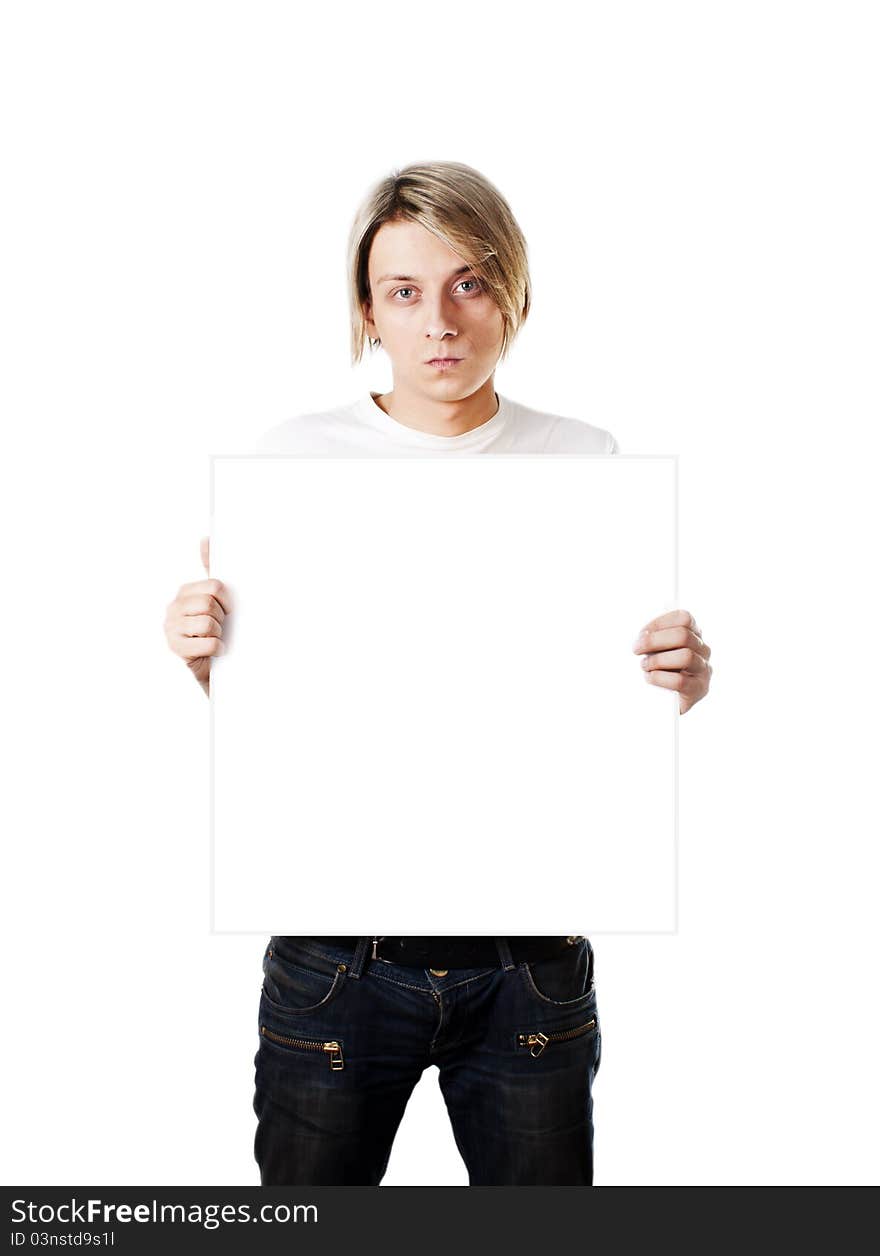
(535, 1041)
(330, 1048)
(297, 980)
(564, 979)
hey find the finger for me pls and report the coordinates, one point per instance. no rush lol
(671, 639)
(205, 547)
(198, 626)
(178, 626)
(686, 660)
(196, 647)
(672, 619)
(200, 604)
(684, 682)
(215, 588)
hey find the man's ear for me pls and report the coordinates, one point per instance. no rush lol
(367, 309)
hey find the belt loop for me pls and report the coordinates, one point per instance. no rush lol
(504, 953)
(360, 955)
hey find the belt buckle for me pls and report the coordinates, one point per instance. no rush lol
(375, 955)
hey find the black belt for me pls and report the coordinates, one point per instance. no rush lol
(455, 952)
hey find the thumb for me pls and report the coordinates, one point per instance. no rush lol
(205, 546)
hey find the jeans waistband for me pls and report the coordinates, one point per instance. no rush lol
(457, 952)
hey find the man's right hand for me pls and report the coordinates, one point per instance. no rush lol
(194, 622)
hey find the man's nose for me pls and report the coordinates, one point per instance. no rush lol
(439, 319)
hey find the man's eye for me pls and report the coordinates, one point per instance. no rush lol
(475, 282)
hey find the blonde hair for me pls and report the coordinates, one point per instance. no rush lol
(465, 210)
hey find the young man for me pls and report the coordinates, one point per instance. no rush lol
(439, 278)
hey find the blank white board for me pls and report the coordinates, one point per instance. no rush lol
(429, 719)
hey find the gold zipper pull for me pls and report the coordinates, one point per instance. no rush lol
(334, 1050)
(536, 1043)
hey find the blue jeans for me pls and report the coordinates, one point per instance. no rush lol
(344, 1038)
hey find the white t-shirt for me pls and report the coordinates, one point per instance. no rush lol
(363, 428)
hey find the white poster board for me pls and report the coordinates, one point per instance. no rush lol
(429, 719)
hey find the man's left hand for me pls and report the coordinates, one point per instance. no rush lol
(675, 656)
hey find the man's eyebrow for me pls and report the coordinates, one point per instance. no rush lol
(414, 278)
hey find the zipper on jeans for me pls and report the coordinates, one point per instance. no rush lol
(536, 1042)
(333, 1049)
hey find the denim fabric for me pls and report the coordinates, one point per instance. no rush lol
(521, 1107)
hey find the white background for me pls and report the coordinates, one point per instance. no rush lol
(698, 184)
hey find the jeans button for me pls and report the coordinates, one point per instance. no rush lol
(438, 972)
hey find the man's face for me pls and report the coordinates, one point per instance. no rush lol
(426, 303)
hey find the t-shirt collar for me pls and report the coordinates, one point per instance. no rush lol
(367, 409)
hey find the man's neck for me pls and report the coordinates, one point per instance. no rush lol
(441, 418)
